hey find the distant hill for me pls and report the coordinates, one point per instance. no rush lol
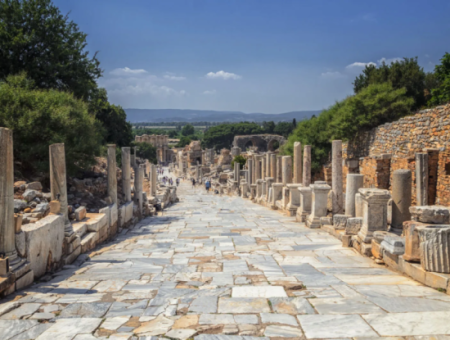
(174, 115)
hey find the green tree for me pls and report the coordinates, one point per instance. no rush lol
(146, 151)
(36, 38)
(222, 135)
(183, 142)
(240, 159)
(113, 118)
(294, 122)
(188, 130)
(284, 129)
(441, 94)
(40, 117)
(268, 127)
(404, 73)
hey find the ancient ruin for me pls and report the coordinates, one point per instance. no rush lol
(161, 143)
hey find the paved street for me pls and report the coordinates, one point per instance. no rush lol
(222, 265)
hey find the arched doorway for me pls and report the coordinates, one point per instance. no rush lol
(273, 145)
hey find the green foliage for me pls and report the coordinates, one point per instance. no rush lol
(39, 118)
(240, 159)
(183, 142)
(187, 130)
(372, 106)
(146, 151)
(221, 136)
(36, 38)
(113, 118)
(268, 127)
(405, 73)
(441, 94)
(284, 129)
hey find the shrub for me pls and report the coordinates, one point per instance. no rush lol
(240, 159)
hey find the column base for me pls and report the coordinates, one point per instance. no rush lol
(313, 222)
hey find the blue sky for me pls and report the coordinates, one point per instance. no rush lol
(252, 55)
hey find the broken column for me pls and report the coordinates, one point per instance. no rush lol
(354, 183)
(154, 178)
(126, 173)
(268, 164)
(294, 198)
(250, 171)
(279, 178)
(138, 186)
(286, 170)
(263, 167)
(434, 248)
(337, 194)
(307, 165)
(133, 157)
(273, 166)
(319, 198)
(112, 173)
(58, 184)
(422, 179)
(374, 212)
(305, 203)
(401, 199)
(7, 232)
(297, 163)
(258, 168)
(237, 169)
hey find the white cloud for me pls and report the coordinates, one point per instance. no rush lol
(223, 75)
(359, 65)
(389, 61)
(333, 75)
(209, 92)
(124, 72)
(171, 76)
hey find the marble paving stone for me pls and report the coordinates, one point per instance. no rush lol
(115, 322)
(410, 324)
(216, 319)
(89, 310)
(243, 305)
(205, 304)
(181, 334)
(282, 331)
(21, 312)
(346, 306)
(335, 326)
(258, 292)
(11, 328)
(410, 304)
(246, 319)
(292, 306)
(377, 280)
(33, 332)
(284, 319)
(67, 329)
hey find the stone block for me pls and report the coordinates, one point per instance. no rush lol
(393, 261)
(354, 225)
(415, 271)
(44, 243)
(96, 221)
(340, 221)
(430, 214)
(80, 228)
(435, 248)
(25, 281)
(73, 256)
(80, 213)
(325, 221)
(18, 223)
(21, 245)
(437, 280)
(347, 241)
(89, 241)
(412, 243)
(394, 244)
(29, 195)
(366, 249)
(379, 235)
(377, 250)
(55, 207)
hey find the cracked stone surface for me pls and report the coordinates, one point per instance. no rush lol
(222, 268)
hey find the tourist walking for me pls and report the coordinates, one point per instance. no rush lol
(207, 185)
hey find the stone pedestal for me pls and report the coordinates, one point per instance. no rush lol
(277, 191)
(401, 198)
(7, 230)
(58, 183)
(286, 170)
(354, 183)
(307, 165)
(358, 205)
(112, 173)
(126, 174)
(374, 212)
(273, 166)
(279, 177)
(337, 192)
(421, 179)
(435, 248)
(298, 172)
(253, 191)
(305, 203)
(320, 190)
(294, 199)
(412, 242)
(436, 214)
(259, 183)
(244, 189)
(269, 182)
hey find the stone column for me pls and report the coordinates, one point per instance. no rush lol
(273, 166)
(279, 178)
(294, 198)
(358, 205)
(374, 212)
(401, 198)
(154, 178)
(112, 173)
(422, 179)
(306, 165)
(305, 204)
(287, 170)
(258, 188)
(258, 169)
(297, 163)
(269, 182)
(263, 167)
(138, 187)
(337, 194)
(319, 198)
(250, 171)
(7, 231)
(126, 173)
(277, 192)
(58, 182)
(268, 164)
(237, 170)
(354, 183)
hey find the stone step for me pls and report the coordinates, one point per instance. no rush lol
(95, 221)
(80, 228)
(89, 241)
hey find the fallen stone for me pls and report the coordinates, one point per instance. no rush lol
(430, 214)
(80, 213)
(340, 221)
(29, 195)
(353, 226)
(34, 186)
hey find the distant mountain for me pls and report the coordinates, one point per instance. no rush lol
(175, 115)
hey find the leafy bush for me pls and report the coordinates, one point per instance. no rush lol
(240, 159)
(183, 142)
(441, 94)
(187, 130)
(221, 136)
(39, 118)
(146, 151)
